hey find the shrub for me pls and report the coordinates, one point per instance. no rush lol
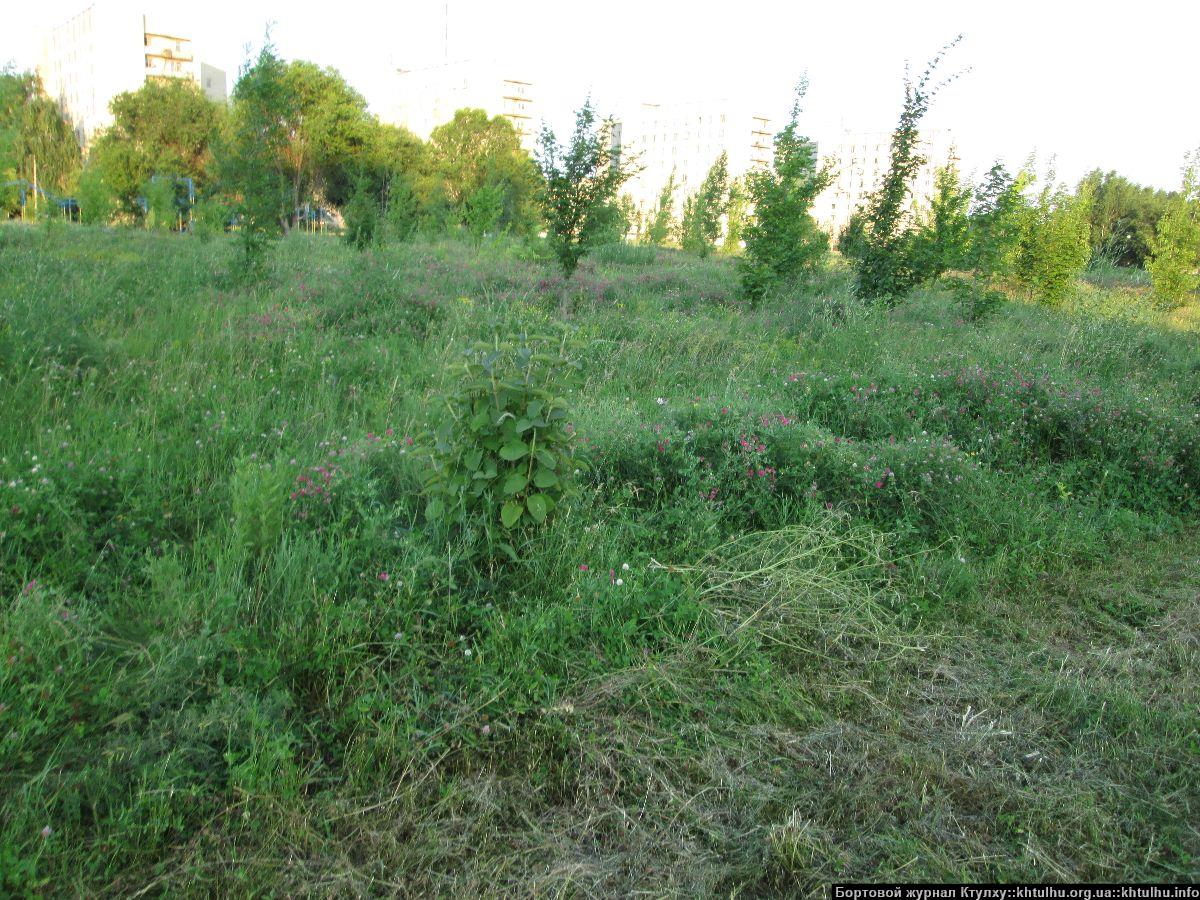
(504, 459)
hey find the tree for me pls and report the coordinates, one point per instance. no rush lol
(783, 240)
(1055, 242)
(330, 134)
(473, 151)
(251, 162)
(36, 142)
(483, 210)
(662, 219)
(361, 214)
(736, 213)
(1124, 217)
(581, 184)
(887, 265)
(97, 203)
(702, 213)
(941, 241)
(164, 128)
(403, 211)
(1174, 264)
(995, 223)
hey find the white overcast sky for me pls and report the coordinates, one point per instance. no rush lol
(1092, 84)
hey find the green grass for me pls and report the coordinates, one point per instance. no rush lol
(902, 596)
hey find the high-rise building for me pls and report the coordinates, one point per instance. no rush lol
(112, 47)
(427, 97)
(685, 139)
(860, 160)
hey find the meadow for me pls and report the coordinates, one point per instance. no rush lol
(846, 593)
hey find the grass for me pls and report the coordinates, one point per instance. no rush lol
(846, 594)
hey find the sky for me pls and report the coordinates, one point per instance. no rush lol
(1080, 85)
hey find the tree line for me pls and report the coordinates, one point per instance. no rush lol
(296, 137)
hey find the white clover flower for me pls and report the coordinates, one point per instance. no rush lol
(620, 581)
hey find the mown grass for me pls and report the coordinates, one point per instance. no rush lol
(901, 595)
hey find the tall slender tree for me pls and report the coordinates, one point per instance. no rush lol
(887, 263)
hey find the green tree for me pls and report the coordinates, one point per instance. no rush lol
(737, 212)
(361, 215)
(473, 151)
(36, 142)
(165, 128)
(97, 202)
(1124, 217)
(887, 263)
(403, 211)
(941, 240)
(582, 180)
(662, 220)
(783, 240)
(483, 210)
(702, 213)
(995, 224)
(1055, 243)
(1174, 263)
(330, 135)
(251, 161)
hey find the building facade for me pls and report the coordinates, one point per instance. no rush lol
(860, 161)
(685, 139)
(427, 97)
(112, 47)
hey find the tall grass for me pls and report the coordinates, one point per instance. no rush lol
(850, 593)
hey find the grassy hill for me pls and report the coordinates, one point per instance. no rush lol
(846, 594)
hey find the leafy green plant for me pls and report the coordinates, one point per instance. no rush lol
(258, 493)
(505, 457)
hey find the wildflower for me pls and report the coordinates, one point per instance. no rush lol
(486, 729)
(879, 484)
(399, 635)
(47, 831)
(620, 582)
(383, 576)
(624, 567)
(661, 401)
(467, 653)
(583, 567)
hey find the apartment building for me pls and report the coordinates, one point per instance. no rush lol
(427, 97)
(685, 139)
(860, 160)
(111, 47)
